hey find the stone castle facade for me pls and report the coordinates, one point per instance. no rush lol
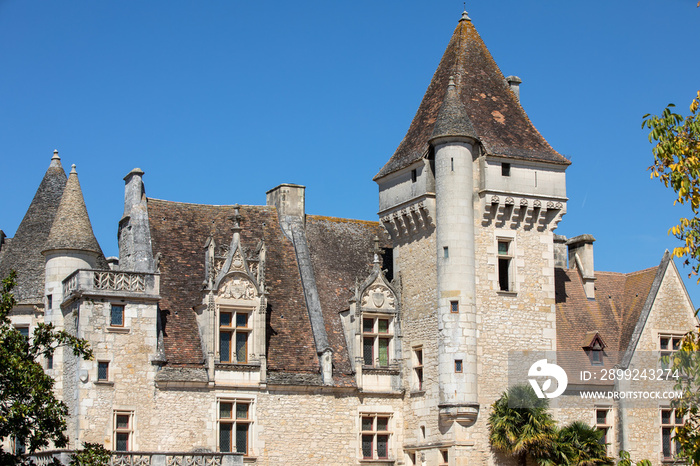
(285, 338)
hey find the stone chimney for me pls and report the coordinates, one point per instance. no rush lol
(288, 199)
(581, 257)
(560, 251)
(514, 83)
(135, 252)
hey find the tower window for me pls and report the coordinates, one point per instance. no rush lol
(446, 252)
(102, 371)
(454, 307)
(414, 175)
(505, 169)
(418, 367)
(505, 265)
(458, 366)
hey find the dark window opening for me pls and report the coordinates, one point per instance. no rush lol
(505, 169)
(414, 175)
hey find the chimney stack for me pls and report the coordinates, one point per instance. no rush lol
(514, 83)
(581, 257)
(288, 199)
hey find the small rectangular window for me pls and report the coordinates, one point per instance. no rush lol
(123, 430)
(418, 367)
(445, 252)
(454, 307)
(414, 175)
(49, 301)
(117, 315)
(444, 458)
(458, 366)
(505, 169)
(103, 371)
(49, 361)
(24, 331)
(505, 265)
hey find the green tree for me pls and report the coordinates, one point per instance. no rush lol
(582, 445)
(677, 164)
(626, 460)
(29, 411)
(520, 424)
(92, 454)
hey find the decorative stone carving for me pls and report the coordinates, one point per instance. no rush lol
(378, 296)
(237, 287)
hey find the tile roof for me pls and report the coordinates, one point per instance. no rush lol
(71, 228)
(341, 252)
(613, 314)
(23, 252)
(500, 122)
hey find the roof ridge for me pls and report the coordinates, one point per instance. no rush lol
(148, 199)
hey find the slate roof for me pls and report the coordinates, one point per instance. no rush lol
(500, 122)
(71, 227)
(23, 252)
(614, 313)
(341, 251)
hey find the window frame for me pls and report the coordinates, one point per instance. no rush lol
(128, 431)
(234, 422)
(504, 264)
(375, 433)
(418, 370)
(670, 349)
(673, 445)
(376, 336)
(105, 363)
(112, 308)
(233, 330)
(606, 427)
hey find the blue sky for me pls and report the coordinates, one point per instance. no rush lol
(219, 101)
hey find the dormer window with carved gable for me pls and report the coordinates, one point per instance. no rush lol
(594, 347)
(372, 329)
(232, 311)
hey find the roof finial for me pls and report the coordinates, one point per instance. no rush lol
(376, 249)
(55, 155)
(236, 218)
(465, 15)
(72, 169)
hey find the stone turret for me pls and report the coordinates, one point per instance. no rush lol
(454, 142)
(135, 250)
(71, 244)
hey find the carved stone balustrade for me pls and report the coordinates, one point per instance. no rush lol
(111, 283)
(144, 458)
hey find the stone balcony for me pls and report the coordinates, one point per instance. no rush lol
(111, 283)
(144, 458)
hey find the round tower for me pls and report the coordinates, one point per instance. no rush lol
(454, 143)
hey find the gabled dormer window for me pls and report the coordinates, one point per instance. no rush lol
(594, 347)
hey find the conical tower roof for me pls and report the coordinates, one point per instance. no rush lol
(452, 119)
(23, 252)
(501, 124)
(71, 228)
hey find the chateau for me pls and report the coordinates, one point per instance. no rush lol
(240, 334)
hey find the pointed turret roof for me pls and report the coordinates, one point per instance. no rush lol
(501, 124)
(71, 228)
(452, 119)
(23, 253)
